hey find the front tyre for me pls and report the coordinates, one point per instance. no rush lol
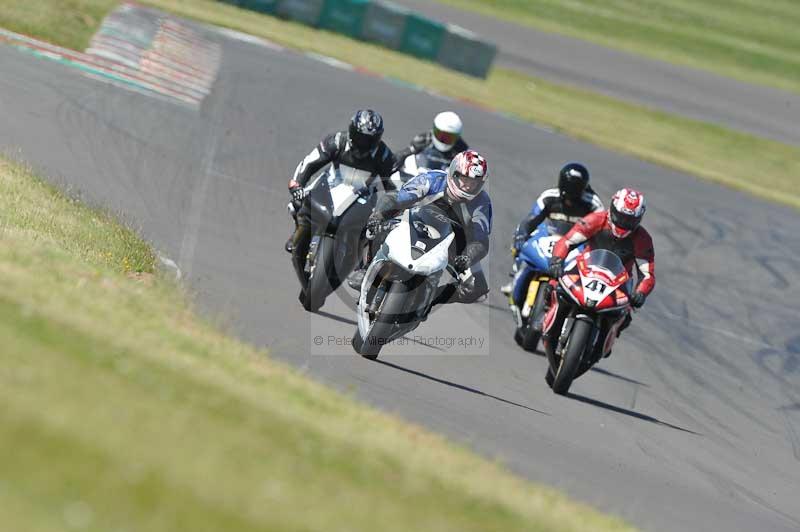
(319, 284)
(573, 354)
(383, 325)
(526, 336)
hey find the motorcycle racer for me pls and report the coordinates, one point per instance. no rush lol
(459, 193)
(359, 147)
(443, 141)
(570, 201)
(619, 231)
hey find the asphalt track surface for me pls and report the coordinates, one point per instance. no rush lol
(692, 424)
(689, 92)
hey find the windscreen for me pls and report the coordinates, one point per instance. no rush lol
(603, 258)
(429, 225)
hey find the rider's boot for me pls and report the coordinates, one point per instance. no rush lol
(355, 279)
(507, 288)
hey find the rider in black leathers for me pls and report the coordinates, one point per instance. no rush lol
(359, 147)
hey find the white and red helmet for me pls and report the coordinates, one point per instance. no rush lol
(466, 175)
(626, 212)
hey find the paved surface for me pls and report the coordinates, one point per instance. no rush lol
(697, 94)
(692, 424)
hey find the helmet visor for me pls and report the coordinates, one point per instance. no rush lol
(470, 185)
(624, 221)
(445, 137)
(363, 143)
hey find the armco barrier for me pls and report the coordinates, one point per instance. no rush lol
(388, 24)
(262, 6)
(464, 51)
(306, 11)
(385, 24)
(344, 16)
(422, 37)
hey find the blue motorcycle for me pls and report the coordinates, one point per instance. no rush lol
(527, 298)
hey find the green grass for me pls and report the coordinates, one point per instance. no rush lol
(69, 23)
(753, 40)
(121, 410)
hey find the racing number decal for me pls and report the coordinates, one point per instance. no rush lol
(596, 286)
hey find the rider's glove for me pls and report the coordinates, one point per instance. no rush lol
(637, 299)
(462, 263)
(556, 269)
(418, 143)
(374, 223)
(297, 192)
(519, 239)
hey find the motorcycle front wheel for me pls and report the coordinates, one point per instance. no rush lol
(319, 282)
(383, 324)
(526, 337)
(573, 354)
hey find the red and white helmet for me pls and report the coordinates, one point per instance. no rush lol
(466, 175)
(626, 212)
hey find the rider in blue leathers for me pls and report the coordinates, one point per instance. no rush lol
(569, 202)
(458, 192)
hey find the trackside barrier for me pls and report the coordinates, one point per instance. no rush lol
(385, 24)
(390, 25)
(422, 37)
(344, 16)
(464, 51)
(306, 11)
(262, 6)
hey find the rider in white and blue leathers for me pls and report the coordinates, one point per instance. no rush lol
(459, 193)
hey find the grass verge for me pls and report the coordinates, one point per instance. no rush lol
(123, 411)
(752, 40)
(762, 167)
(69, 23)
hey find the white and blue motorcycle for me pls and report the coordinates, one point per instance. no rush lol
(402, 280)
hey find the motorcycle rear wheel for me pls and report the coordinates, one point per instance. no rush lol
(576, 345)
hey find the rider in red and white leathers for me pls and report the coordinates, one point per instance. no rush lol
(617, 230)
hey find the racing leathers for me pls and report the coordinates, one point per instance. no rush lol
(636, 252)
(472, 226)
(550, 205)
(435, 159)
(335, 150)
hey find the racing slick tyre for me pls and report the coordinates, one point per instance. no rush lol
(319, 285)
(526, 336)
(389, 313)
(573, 354)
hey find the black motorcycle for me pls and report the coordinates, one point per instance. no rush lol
(339, 203)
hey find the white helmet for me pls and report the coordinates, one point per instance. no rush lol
(447, 127)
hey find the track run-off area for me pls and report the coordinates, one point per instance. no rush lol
(692, 424)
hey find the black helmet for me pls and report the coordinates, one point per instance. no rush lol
(365, 132)
(573, 180)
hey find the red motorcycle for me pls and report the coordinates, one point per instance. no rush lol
(589, 305)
